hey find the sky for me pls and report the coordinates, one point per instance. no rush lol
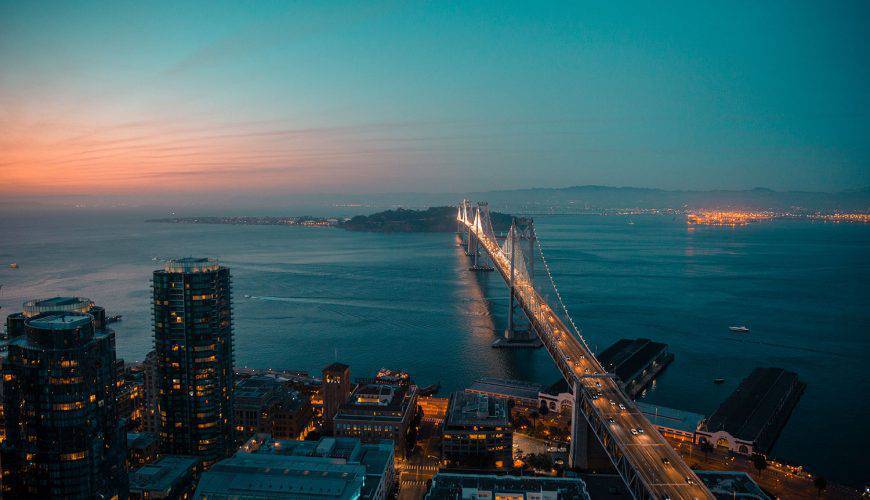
(208, 99)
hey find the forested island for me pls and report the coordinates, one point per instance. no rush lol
(400, 220)
(431, 220)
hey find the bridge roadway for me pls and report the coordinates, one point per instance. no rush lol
(651, 460)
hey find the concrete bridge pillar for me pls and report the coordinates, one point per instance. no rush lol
(586, 452)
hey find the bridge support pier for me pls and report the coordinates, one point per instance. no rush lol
(586, 452)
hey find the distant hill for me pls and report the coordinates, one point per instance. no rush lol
(431, 220)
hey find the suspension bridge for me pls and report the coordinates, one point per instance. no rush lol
(647, 464)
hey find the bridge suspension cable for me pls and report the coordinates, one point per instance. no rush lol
(559, 295)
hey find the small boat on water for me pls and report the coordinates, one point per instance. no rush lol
(718, 380)
(114, 319)
(14, 265)
(739, 329)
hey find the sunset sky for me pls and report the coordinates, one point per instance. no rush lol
(251, 98)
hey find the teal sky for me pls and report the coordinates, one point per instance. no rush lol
(271, 97)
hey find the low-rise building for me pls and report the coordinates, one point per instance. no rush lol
(452, 486)
(264, 405)
(375, 412)
(264, 475)
(750, 420)
(674, 424)
(377, 458)
(557, 397)
(141, 449)
(636, 362)
(173, 476)
(477, 431)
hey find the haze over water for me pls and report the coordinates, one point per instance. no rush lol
(407, 301)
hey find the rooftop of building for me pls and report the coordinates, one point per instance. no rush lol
(140, 440)
(36, 306)
(448, 485)
(750, 408)
(680, 420)
(375, 457)
(513, 389)
(727, 484)
(264, 475)
(191, 265)
(163, 474)
(60, 321)
(626, 357)
(467, 408)
(256, 386)
(380, 397)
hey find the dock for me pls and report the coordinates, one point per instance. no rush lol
(636, 362)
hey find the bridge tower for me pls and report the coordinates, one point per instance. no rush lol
(522, 263)
(473, 241)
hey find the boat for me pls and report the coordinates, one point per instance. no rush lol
(718, 380)
(114, 319)
(739, 329)
(14, 265)
(247, 296)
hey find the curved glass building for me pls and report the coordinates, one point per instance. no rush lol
(63, 435)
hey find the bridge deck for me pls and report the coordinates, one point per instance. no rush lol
(651, 460)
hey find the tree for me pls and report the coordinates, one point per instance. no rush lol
(706, 447)
(759, 462)
(541, 461)
(820, 483)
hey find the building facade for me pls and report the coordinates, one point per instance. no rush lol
(193, 344)
(376, 412)
(265, 405)
(477, 431)
(150, 392)
(64, 437)
(335, 389)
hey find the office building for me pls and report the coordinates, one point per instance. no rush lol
(265, 405)
(63, 437)
(477, 431)
(375, 412)
(141, 449)
(193, 343)
(335, 389)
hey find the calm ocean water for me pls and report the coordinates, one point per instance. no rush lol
(407, 301)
